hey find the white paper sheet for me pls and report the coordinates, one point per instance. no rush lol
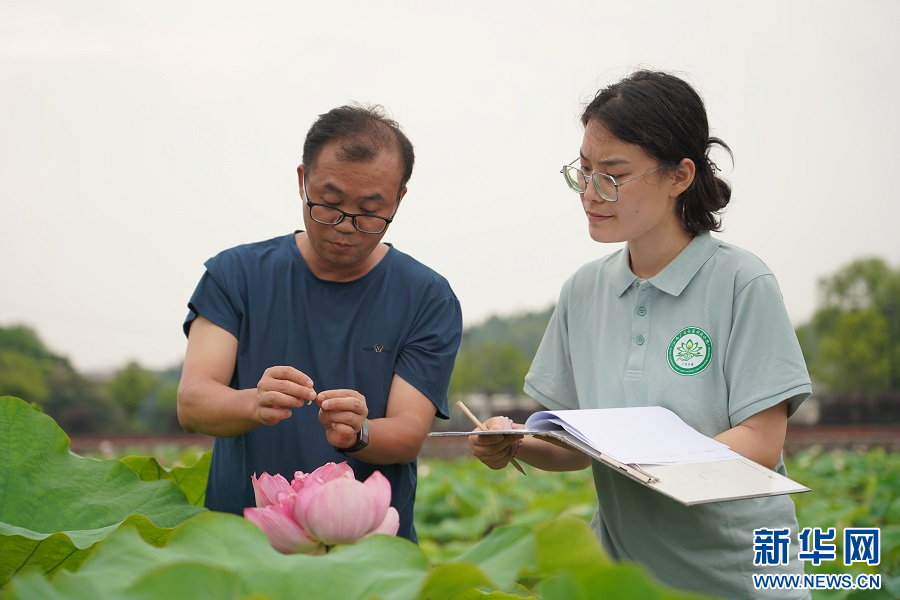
(638, 435)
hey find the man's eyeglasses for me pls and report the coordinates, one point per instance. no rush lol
(331, 215)
(606, 185)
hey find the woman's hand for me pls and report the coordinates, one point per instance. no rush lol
(496, 451)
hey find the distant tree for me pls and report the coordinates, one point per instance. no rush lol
(524, 331)
(24, 341)
(158, 412)
(23, 376)
(494, 356)
(130, 387)
(492, 368)
(166, 408)
(862, 284)
(24, 364)
(852, 343)
(32, 372)
(854, 357)
(79, 405)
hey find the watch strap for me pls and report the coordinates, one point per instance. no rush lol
(362, 440)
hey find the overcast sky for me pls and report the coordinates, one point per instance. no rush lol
(137, 139)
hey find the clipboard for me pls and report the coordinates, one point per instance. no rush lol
(729, 476)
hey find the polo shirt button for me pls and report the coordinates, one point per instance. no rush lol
(640, 340)
(642, 311)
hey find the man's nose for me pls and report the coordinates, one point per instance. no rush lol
(346, 225)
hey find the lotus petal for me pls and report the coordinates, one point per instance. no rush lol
(380, 489)
(339, 511)
(284, 533)
(390, 525)
(267, 487)
(326, 472)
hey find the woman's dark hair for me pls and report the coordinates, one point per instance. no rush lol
(363, 131)
(666, 117)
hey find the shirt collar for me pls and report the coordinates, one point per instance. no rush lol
(677, 274)
(622, 276)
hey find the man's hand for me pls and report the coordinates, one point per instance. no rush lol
(279, 390)
(341, 413)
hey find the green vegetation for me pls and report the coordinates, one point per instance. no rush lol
(852, 344)
(80, 528)
(132, 400)
(56, 506)
(75, 527)
(29, 370)
(495, 356)
(460, 501)
(852, 489)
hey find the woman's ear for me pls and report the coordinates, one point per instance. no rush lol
(682, 177)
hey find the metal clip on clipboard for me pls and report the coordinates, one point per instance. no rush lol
(634, 470)
(650, 478)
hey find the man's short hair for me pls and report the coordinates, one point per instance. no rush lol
(362, 132)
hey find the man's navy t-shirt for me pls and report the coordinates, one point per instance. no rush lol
(401, 317)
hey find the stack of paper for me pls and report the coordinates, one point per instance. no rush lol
(646, 435)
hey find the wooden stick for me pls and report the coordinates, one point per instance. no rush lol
(481, 426)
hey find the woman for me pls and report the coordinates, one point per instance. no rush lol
(677, 319)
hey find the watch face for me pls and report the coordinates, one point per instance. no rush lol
(363, 436)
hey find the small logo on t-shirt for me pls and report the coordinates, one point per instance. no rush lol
(377, 348)
(690, 351)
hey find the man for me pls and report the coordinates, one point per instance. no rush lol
(329, 315)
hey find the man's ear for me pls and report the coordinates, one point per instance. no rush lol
(402, 193)
(300, 179)
(683, 177)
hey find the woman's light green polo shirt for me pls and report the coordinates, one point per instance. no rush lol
(708, 338)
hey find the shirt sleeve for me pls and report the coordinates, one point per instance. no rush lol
(426, 360)
(550, 379)
(211, 299)
(763, 363)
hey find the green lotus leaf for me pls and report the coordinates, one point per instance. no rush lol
(55, 505)
(567, 544)
(455, 581)
(616, 581)
(505, 555)
(235, 556)
(191, 480)
(575, 567)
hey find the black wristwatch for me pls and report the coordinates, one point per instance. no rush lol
(362, 440)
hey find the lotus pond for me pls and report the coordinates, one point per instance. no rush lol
(132, 527)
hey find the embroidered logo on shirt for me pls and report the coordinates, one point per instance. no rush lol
(377, 348)
(690, 351)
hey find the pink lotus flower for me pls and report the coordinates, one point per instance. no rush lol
(323, 508)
